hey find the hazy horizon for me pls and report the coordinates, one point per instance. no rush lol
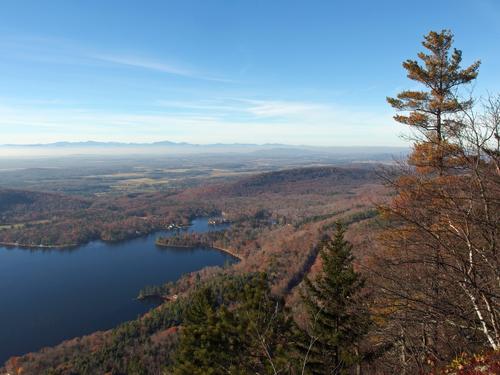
(172, 148)
(92, 142)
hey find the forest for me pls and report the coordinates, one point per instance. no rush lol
(358, 269)
(31, 218)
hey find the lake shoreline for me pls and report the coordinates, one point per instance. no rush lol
(26, 246)
(73, 246)
(221, 249)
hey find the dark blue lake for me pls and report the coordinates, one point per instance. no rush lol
(47, 296)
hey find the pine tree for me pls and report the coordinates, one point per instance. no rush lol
(441, 75)
(338, 319)
(209, 340)
(236, 327)
(432, 111)
(423, 193)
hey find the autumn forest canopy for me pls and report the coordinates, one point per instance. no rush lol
(356, 268)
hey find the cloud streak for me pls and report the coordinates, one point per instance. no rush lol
(282, 111)
(59, 51)
(158, 66)
(145, 64)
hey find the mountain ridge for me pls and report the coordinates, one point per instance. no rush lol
(91, 143)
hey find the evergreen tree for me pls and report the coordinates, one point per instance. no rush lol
(209, 338)
(441, 75)
(338, 319)
(432, 111)
(433, 187)
(234, 328)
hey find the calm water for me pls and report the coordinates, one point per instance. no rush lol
(47, 296)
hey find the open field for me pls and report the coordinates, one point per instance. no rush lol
(100, 175)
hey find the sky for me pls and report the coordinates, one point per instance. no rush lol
(223, 71)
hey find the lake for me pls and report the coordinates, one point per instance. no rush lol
(47, 296)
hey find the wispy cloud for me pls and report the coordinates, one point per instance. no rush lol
(283, 111)
(271, 108)
(199, 105)
(158, 66)
(145, 64)
(257, 109)
(61, 51)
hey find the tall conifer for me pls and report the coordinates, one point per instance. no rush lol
(432, 111)
(441, 74)
(338, 319)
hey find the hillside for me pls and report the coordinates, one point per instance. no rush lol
(289, 181)
(22, 207)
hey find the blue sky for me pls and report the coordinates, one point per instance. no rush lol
(255, 71)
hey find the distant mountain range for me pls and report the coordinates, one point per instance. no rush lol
(135, 144)
(168, 147)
